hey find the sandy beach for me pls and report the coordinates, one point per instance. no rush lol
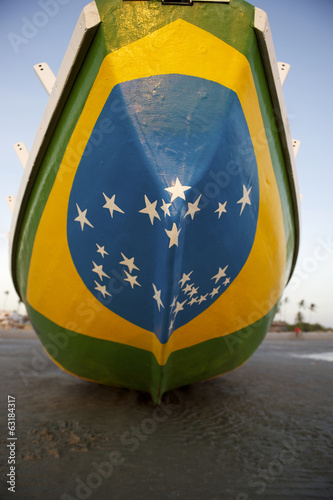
(262, 431)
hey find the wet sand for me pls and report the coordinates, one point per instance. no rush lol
(263, 431)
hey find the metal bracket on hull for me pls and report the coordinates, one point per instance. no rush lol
(283, 71)
(22, 153)
(11, 202)
(79, 44)
(46, 76)
(296, 146)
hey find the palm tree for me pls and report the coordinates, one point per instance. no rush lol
(299, 318)
(301, 304)
(312, 308)
(299, 315)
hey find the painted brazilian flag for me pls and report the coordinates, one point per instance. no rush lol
(165, 239)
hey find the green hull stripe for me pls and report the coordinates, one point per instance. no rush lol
(123, 25)
(121, 365)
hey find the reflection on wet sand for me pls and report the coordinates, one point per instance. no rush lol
(263, 430)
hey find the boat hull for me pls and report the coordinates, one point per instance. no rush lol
(160, 230)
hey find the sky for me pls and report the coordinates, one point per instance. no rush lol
(303, 37)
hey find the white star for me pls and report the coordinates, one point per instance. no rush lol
(246, 199)
(193, 208)
(128, 262)
(131, 279)
(150, 209)
(193, 301)
(157, 297)
(177, 190)
(81, 218)
(221, 209)
(173, 235)
(202, 298)
(179, 307)
(186, 277)
(171, 325)
(110, 204)
(99, 270)
(219, 274)
(193, 291)
(226, 282)
(101, 250)
(165, 208)
(215, 291)
(188, 288)
(101, 289)
(174, 302)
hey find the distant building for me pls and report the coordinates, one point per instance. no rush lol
(12, 319)
(16, 318)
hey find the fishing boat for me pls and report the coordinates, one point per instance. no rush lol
(157, 223)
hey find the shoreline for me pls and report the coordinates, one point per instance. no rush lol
(30, 334)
